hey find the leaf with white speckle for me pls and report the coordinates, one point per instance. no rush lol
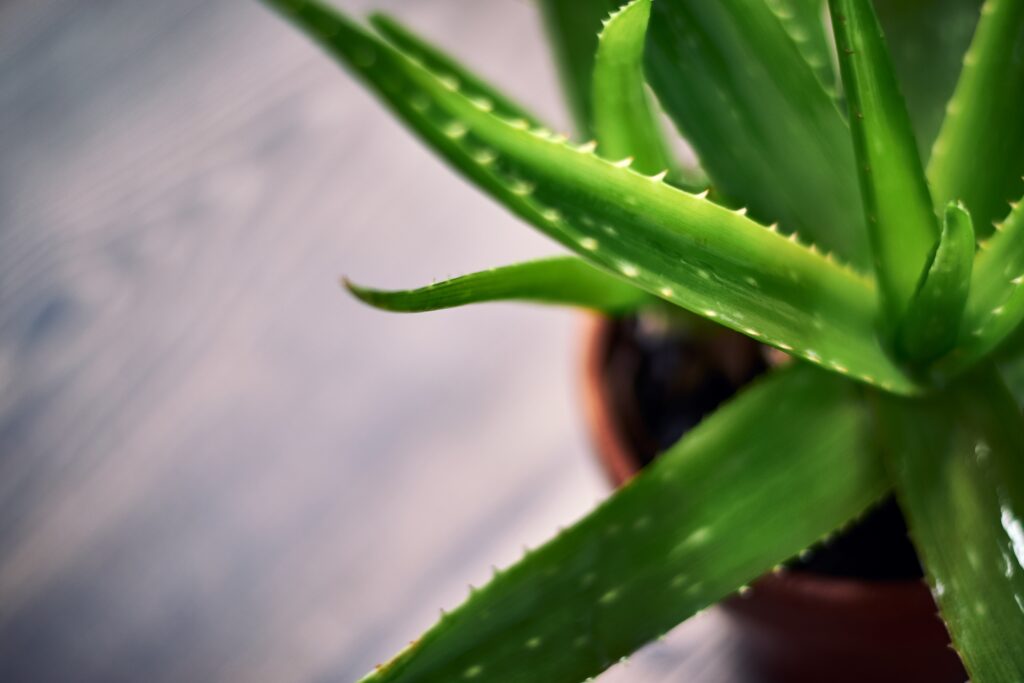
(956, 462)
(710, 515)
(659, 237)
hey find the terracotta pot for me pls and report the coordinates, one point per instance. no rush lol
(794, 626)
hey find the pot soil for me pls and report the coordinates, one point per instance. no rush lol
(854, 610)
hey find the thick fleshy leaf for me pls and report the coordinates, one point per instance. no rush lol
(1012, 370)
(995, 304)
(714, 512)
(979, 155)
(565, 281)
(765, 130)
(932, 323)
(573, 26)
(959, 473)
(927, 40)
(624, 123)
(898, 207)
(804, 20)
(446, 66)
(678, 246)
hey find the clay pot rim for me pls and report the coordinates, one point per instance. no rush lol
(619, 465)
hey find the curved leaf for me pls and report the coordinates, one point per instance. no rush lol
(767, 133)
(804, 21)
(959, 475)
(446, 66)
(572, 27)
(898, 207)
(932, 322)
(927, 40)
(623, 121)
(715, 511)
(680, 247)
(979, 155)
(566, 281)
(995, 304)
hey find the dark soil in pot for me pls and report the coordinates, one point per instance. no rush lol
(854, 609)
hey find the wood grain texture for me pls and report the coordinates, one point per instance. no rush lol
(213, 465)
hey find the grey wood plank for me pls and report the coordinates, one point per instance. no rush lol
(214, 466)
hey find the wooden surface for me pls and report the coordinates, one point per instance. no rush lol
(213, 465)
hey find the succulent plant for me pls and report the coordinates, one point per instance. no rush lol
(823, 221)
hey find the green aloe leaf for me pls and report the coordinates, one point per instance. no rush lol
(445, 66)
(714, 512)
(979, 155)
(932, 322)
(995, 305)
(675, 245)
(573, 26)
(959, 476)
(765, 130)
(927, 40)
(566, 281)
(898, 207)
(1012, 370)
(623, 121)
(804, 20)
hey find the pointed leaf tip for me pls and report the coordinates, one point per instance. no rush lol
(931, 325)
(902, 225)
(702, 253)
(624, 120)
(566, 281)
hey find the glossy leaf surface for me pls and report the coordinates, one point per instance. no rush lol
(897, 204)
(765, 130)
(572, 27)
(959, 472)
(932, 322)
(995, 305)
(678, 246)
(624, 123)
(804, 21)
(979, 155)
(566, 281)
(446, 66)
(712, 513)
(927, 40)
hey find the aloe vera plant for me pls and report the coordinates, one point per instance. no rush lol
(819, 223)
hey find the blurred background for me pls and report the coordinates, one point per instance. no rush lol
(214, 465)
